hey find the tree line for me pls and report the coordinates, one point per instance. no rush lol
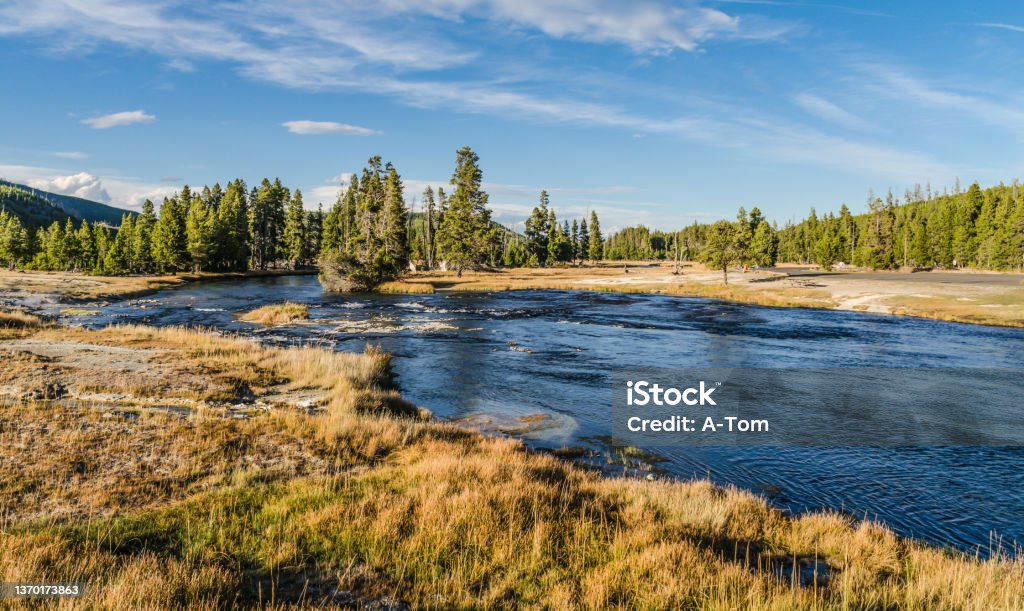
(215, 229)
(371, 235)
(368, 236)
(750, 240)
(977, 228)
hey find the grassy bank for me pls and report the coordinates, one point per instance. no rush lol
(183, 469)
(951, 296)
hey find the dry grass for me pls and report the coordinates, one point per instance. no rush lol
(276, 314)
(360, 493)
(641, 278)
(978, 303)
(19, 320)
(407, 288)
(1004, 309)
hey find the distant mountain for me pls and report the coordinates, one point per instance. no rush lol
(38, 208)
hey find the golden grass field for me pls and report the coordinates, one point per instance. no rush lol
(181, 469)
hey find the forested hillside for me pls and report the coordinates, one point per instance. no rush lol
(82, 209)
(978, 228)
(32, 210)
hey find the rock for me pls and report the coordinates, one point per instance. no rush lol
(50, 392)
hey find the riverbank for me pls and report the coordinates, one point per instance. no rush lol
(69, 287)
(957, 296)
(177, 468)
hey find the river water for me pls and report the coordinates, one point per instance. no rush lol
(453, 356)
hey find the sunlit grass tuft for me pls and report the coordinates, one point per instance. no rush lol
(19, 320)
(276, 314)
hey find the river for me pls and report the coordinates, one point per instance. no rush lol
(453, 356)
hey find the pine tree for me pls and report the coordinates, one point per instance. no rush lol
(394, 225)
(295, 231)
(118, 257)
(574, 241)
(170, 245)
(200, 234)
(142, 239)
(554, 239)
(262, 221)
(51, 248)
(721, 249)
(101, 234)
(764, 244)
(744, 234)
(583, 242)
(428, 225)
(14, 240)
(538, 230)
(828, 248)
(314, 232)
(595, 249)
(70, 248)
(463, 233)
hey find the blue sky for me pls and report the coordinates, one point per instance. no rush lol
(648, 112)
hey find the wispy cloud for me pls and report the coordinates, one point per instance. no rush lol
(1002, 26)
(119, 119)
(788, 4)
(320, 43)
(829, 111)
(75, 155)
(320, 128)
(904, 87)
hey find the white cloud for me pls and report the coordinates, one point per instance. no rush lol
(118, 191)
(325, 195)
(119, 119)
(319, 128)
(341, 179)
(829, 111)
(75, 155)
(83, 185)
